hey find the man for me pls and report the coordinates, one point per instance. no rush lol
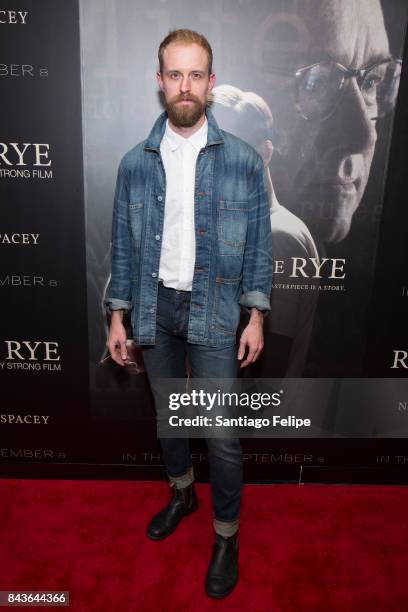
(191, 243)
(328, 76)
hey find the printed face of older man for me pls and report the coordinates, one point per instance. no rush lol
(325, 117)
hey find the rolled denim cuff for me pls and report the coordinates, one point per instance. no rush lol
(226, 528)
(116, 304)
(181, 482)
(255, 299)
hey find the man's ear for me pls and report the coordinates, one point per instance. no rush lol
(211, 82)
(159, 79)
(267, 152)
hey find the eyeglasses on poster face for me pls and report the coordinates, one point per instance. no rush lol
(319, 87)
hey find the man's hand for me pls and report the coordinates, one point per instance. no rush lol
(252, 337)
(117, 339)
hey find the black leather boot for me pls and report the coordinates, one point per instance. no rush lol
(222, 574)
(183, 502)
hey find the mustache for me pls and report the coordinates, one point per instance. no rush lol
(184, 97)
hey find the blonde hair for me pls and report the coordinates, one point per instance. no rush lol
(188, 37)
(246, 103)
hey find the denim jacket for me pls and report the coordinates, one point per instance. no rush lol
(233, 263)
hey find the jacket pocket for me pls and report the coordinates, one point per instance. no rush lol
(136, 220)
(226, 304)
(232, 226)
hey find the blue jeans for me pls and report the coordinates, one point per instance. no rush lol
(167, 359)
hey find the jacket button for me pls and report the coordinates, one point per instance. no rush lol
(160, 198)
(157, 237)
(154, 274)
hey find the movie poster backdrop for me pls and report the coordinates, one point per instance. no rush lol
(315, 88)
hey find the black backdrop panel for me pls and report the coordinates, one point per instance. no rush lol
(43, 333)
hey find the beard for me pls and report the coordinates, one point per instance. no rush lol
(185, 115)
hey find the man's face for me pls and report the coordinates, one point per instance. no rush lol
(185, 83)
(320, 168)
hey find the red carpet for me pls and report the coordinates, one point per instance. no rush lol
(311, 547)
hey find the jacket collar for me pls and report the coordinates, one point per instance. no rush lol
(155, 137)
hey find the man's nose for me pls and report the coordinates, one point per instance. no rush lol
(185, 84)
(350, 125)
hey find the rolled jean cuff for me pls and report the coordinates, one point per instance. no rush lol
(226, 528)
(183, 481)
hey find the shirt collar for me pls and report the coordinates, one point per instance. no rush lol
(198, 139)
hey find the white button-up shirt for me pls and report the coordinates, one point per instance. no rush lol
(177, 256)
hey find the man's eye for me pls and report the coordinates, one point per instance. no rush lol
(371, 83)
(174, 75)
(197, 75)
(369, 88)
(313, 85)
